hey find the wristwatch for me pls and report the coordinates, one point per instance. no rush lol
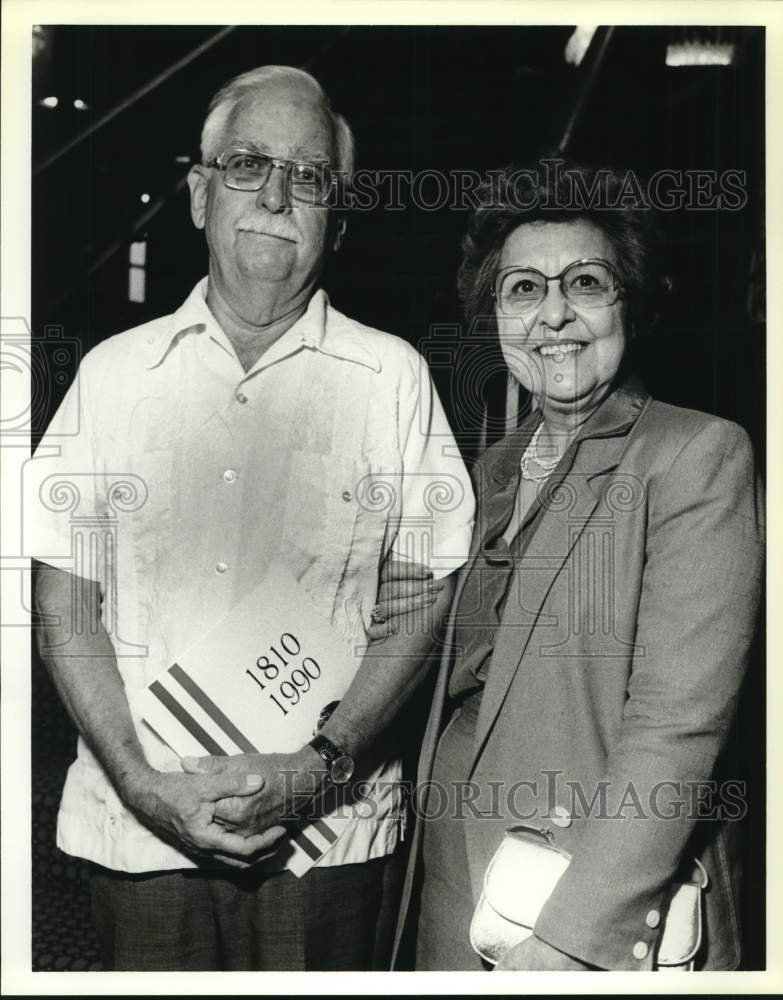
(339, 765)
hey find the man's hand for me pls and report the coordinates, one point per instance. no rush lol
(181, 809)
(290, 782)
(404, 586)
(535, 955)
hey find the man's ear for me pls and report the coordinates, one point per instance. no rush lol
(340, 227)
(198, 181)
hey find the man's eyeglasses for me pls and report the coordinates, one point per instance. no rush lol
(585, 283)
(247, 170)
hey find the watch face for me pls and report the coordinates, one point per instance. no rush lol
(341, 769)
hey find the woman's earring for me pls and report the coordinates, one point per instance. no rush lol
(342, 225)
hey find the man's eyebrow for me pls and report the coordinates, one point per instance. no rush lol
(298, 153)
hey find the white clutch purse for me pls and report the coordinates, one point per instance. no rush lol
(520, 878)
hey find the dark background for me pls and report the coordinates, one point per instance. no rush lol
(417, 98)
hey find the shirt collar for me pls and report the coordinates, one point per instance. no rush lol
(320, 328)
(328, 331)
(193, 316)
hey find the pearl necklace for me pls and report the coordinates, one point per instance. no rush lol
(531, 452)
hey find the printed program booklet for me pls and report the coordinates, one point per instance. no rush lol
(257, 683)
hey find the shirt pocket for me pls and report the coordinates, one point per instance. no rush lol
(145, 514)
(336, 522)
(377, 500)
(145, 448)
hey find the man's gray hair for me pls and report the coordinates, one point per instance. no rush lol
(213, 134)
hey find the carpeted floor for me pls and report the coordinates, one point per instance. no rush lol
(63, 935)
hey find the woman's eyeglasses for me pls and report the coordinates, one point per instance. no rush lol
(585, 283)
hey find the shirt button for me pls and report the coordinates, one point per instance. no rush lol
(640, 950)
(653, 918)
(347, 495)
(561, 817)
(241, 397)
(221, 567)
(229, 476)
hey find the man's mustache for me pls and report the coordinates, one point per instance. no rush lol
(270, 227)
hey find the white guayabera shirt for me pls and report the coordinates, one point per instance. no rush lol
(173, 477)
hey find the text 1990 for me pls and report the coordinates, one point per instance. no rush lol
(268, 669)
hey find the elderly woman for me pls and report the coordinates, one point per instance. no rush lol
(601, 630)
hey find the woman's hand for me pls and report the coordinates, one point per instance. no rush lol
(404, 587)
(535, 955)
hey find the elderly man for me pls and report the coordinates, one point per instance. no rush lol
(247, 423)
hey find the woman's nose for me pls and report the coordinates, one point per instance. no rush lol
(555, 310)
(274, 194)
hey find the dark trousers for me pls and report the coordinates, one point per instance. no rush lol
(338, 919)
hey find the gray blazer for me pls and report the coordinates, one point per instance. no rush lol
(615, 676)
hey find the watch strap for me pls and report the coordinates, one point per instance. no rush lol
(325, 749)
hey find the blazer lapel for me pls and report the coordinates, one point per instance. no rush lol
(569, 500)
(490, 489)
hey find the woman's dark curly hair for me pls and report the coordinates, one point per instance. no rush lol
(556, 190)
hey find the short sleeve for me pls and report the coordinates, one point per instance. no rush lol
(437, 497)
(65, 513)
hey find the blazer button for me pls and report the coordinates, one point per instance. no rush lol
(652, 919)
(640, 950)
(561, 817)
